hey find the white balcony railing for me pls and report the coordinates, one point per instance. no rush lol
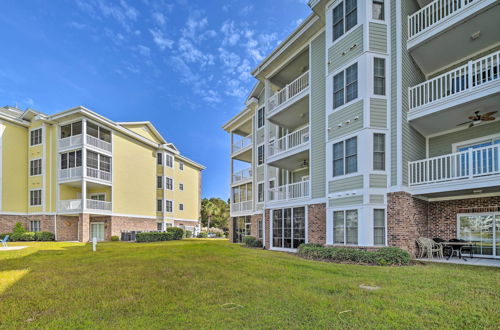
(98, 143)
(468, 164)
(290, 191)
(467, 77)
(93, 204)
(71, 141)
(242, 144)
(434, 13)
(241, 206)
(289, 141)
(70, 173)
(289, 91)
(98, 174)
(242, 175)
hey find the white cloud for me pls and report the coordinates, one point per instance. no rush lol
(159, 18)
(144, 50)
(160, 40)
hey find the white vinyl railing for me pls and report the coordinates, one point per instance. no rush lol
(466, 77)
(289, 141)
(241, 206)
(93, 204)
(434, 13)
(98, 143)
(242, 175)
(71, 173)
(242, 144)
(289, 91)
(290, 191)
(98, 174)
(468, 164)
(69, 205)
(71, 141)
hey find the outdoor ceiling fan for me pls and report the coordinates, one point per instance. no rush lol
(304, 164)
(477, 118)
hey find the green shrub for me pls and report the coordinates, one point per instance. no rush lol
(2, 236)
(44, 236)
(153, 237)
(115, 238)
(177, 233)
(384, 256)
(19, 228)
(188, 234)
(25, 237)
(202, 234)
(251, 241)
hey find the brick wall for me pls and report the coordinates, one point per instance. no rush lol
(316, 218)
(119, 224)
(267, 220)
(231, 230)
(254, 230)
(67, 228)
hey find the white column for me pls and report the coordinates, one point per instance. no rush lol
(84, 164)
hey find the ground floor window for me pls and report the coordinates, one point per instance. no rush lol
(483, 230)
(289, 227)
(241, 228)
(345, 227)
(379, 227)
(35, 225)
(159, 226)
(260, 229)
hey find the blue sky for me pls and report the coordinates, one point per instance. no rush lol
(184, 65)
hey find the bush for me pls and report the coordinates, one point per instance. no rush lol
(19, 228)
(44, 236)
(25, 237)
(384, 256)
(153, 237)
(115, 238)
(202, 234)
(251, 241)
(188, 234)
(177, 233)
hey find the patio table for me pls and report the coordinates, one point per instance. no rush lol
(459, 245)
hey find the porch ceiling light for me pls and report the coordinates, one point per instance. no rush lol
(475, 35)
(477, 191)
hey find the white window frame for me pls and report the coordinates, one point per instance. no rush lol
(384, 59)
(344, 157)
(38, 226)
(261, 184)
(161, 183)
(32, 161)
(374, 227)
(345, 32)
(181, 166)
(181, 186)
(384, 8)
(159, 158)
(472, 142)
(172, 205)
(31, 199)
(343, 71)
(166, 185)
(345, 226)
(169, 160)
(40, 129)
(159, 202)
(384, 152)
(97, 195)
(181, 206)
(263, 155)
(261, 111)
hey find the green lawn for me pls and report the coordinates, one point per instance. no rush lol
(185, 284)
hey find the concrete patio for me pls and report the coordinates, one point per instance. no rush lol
(470, 261)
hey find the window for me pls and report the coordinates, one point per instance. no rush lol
(181, 207)
(98, 161)
(98, 197)
(345, 227)
(260, 155)
(379, 227)
(260, 192)
(345, 17)
(169, 161)
(92, 159)
(260, 117)
(260, 229)
(169, 184)
(379, 76)
(345, 157)
(345, 86)
(98, 132)
(71, 159)
(36, 197)
(379, 152)
(36, 167)
(159, 182)
(159, 205)
(181, 186)
(159, 158)
(71, 129)
(378, 9)
(169, 206)
(181, 166)
(288, 227)
(35, 225)
(159, 226)
(36, 137)
(105, 163)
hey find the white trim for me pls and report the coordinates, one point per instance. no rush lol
(494, 232)
(471, 142)
(2, 130)
(438, 199)
(181, 219)
(399, 91)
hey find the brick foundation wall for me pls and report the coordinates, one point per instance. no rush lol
(267, 220)
(67, 228)
(254, 229)
(119, 224)
(316, 223)
(231, 230)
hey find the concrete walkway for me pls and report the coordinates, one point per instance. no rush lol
(470, 261)
(12, 248)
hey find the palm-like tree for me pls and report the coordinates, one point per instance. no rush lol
(210, 210)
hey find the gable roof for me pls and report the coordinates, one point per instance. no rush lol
(148, 126)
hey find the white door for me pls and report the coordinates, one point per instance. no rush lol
(97, 231)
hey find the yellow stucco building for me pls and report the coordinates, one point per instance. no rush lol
(80, 175)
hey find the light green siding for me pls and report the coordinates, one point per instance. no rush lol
(345, 201)
(378, 37)
(376, 199)
(348, 48)
(297, 176)
(340, 117)
(317, 128)
(354, 182)
(378, 113)
(442, 145)
(393, 107)
(378, 181)
(259, 135)
(259, 176)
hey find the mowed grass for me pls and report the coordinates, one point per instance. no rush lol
(185, 284)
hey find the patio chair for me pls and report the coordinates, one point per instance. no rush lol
(4, 241)
(432, 247)
(422, 247)
(460, 250)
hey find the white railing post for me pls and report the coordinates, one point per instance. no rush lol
(470, 163)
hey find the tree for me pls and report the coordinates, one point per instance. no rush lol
(215, 211)
(210, 210)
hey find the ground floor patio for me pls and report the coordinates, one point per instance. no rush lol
(484, 262)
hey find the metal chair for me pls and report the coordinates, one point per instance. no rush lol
(4, 241)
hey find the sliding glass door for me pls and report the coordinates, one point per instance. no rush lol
(289, 227)
(483, 230)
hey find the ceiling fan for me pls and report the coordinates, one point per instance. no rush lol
(477, 118)
(304, 164)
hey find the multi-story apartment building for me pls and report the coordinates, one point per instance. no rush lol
(354, 134)
(80, 175)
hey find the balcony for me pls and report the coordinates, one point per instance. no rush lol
(242, 176)
(471, 169)
(454, 29)
(242, 149)
(71, 173)
(76, 173)
(75, 206)
(99, 144)
(70, 142)
(99, 174)
(77, 141)
(292, 191)
(241, 207)
(290, 149)
(456, 93)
